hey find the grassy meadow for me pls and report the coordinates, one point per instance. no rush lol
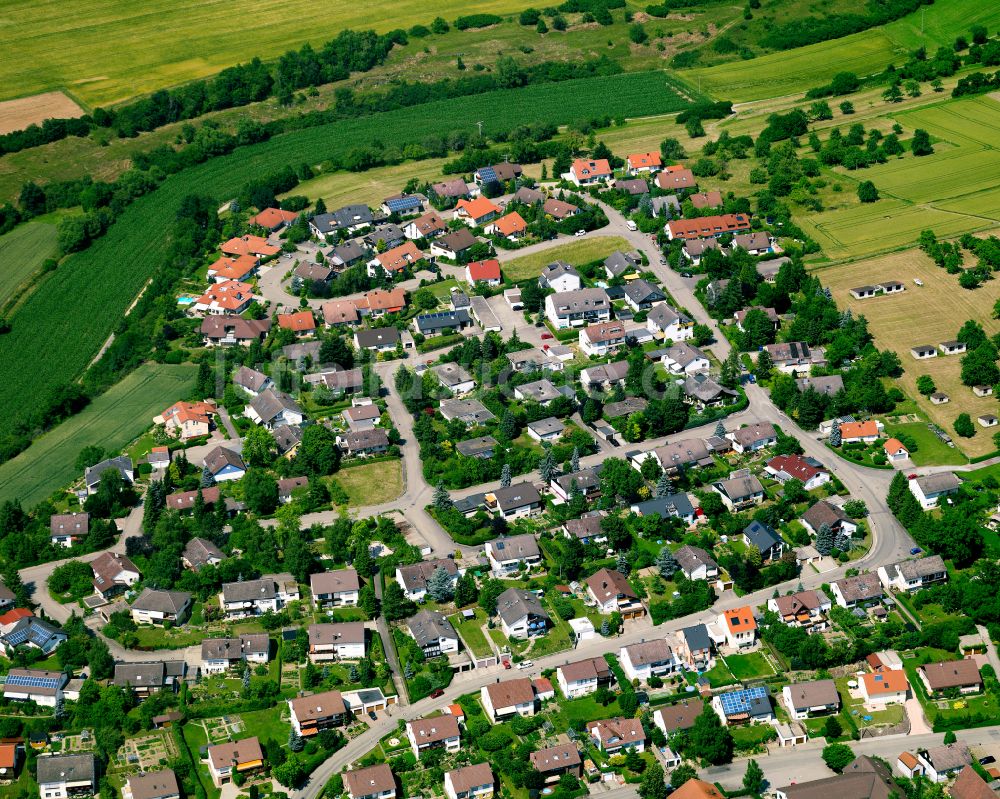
(110, 421)
(22, 252)
(927, 314)
(578, 251)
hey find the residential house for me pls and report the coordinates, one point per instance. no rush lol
(413, 578)
(768, 542)
(273, 408)
(604, 376)
(669, 324)
(426, 226)
(742, 490)
(753, 437)
(66, 776)
(693, 649)
(620, 264)
(454, 245)
(583, 677)
(706, 226)
(450, 189)
(442, 322)
(860, 432)
(706, 199)
(113, 574)
(930, 488)
(541, 391)
(508, 698)
(635, 187)
(152, 785)
(864, 778)
(683, 359)
(121, 464)
(695, 563)
(301, 323)
(612, 593)
(337, 641)
(808, 471)
(576, 308)
(560, 277)
(396, 260)
(676, 178)
(806, 609)
(833, 516)
(338, 588)
(480, 447)
(229, 330)
(227, 759)
(497, 174)
(362, 417)
(758, 243)
(254, 597)
(679, 716)
(158, 607)
(30, 632)
(219, 655)
(694, 250)
(638, 163)
(402, 204)
(554, 761)
(379, 339)
(814, 698)
(587, 528)
(520, 499)
(373, 782)
(703, 392)
(364, 443)
(828, 385)
(744, 706)
(648, 659)
(454, 377)
(795, 357)
(471, 412)
(559, 210)
(522, 614)
(487, 272)
(585, 172)
(440, 732)
(433, 633)
(602, 338)
(251, 381)
(951, 675)
(941, 763)
(641, 295)
(310, 273)
(469, 782)
(913, 575)
(613, 736)
(510, 226)
(379, 302)
(146, 679)
(546, 430)
(862, 589)
(228, 297)
(346, 254)
(969, 785)
(224, 465)
(476, 212)
(240, 269)
(686, 453)
(273, 219)
(42, 687)
(310, 715)
(738, 627)
(67, 529)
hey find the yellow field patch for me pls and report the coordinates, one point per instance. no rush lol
(923, 315)
(18, 114)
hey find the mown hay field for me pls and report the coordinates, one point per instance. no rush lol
(77, 306)
(18, 114)
(106, 51)
(927, 314)
(111, 421)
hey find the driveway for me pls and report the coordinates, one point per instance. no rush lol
(918, 721)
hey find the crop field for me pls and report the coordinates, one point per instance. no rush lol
(106, 51)
(927, 314)
(865, 53)
(575, 252)
(18, 114)
(110, 421)
(81, 303)
(22, 252)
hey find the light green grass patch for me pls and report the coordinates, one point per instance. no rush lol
(372, 483)
(111, 421)
(581, 251)
(931, 450)
(749, 666)
(22, 252)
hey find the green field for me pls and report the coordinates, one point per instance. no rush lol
(865, 53)
(110, 421)
(575, 252)
(82, 302)
(372, 483)
(109, 50)
(22, 252)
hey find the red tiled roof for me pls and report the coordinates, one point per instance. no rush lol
(510, 224)
(485, 270)
(271, 218)
(299, 322)
(708, 225)
(591, 169)
(477, 208)
(643, 160)
(249, 245)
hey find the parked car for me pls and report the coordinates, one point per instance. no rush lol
(525, 664)
(372, 715)
(916, 551)
(436, 693)
(547, 336)
(581, 233)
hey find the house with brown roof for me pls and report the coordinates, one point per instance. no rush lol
(113, 574)
(602, 338)
(426, 226)
(706, 199)
(647, 659)
(338, 588)
(507, 698)
(229, 330)
(808, 699)
(312, 714)
(440, 732)
(66, 529)
(612, 592)
(864, 778)
(969, 785)
(373, 782)
(678, 716)
(554, 761)
(951, 675)
(152, 785)
(413, 578)
(753, 437)
(833, 516)
(617, 735)
(559, 210)
(806, 609)
(861, 589)
(583, 677)
(673, 178)
(200, 552)
(469, 782)
(378, 302)
(234, 757)
(273, 219)
(340, 312)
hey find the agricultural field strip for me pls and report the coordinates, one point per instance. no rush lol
(120, 263)
(22, 253)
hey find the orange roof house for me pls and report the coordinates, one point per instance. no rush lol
(676, 177)
(697, 789)
(239, 268)
(894, 448)
(249, 245)
(884, 685)
(511, 225)
(859, 431)
(398, 258)
(739, 626)
(643, 162)
(707, 226)
(227, 297)
(584, 172)
(273, 218)
(301, 323)
(477, 211)
(380, 301)
(188, 419)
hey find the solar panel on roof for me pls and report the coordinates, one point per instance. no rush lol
(402, 203)
(742, 701)
(29, 681)
(487, 174)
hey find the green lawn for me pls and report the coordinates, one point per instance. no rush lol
(579, 251)
(471, 632)
(749, 666)
(719, 675)
(931, 450)
(22, 252)
(111, 421)
(371, 483)
(151, 637)
(750, 735)
(268, 724)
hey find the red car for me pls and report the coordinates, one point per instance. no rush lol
(436, 693)
(547, 336)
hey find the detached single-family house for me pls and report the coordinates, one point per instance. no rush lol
(586, 173)
(337, 641)
(454, 377)
(682, 358)
(433, 633)
(469, 782)
(520, 499)
(679, 716)
(833, 516)
(951, 675)
(487, 272)
(272, 408)
(187, 420)
(753, 437)
(454, 245)
(809, 471)
(219, 655)
(583, 677)
(510, 226)
(742, 490)
(612, 593)
(768, 542)
(440, 732)
(157, 607)
(638, 163)
(807, 609)
(739, 627)
(414, 577)
(441, 322)
(941, 763)
(554, 761)
(795, 357)
(866, 432)
(42, 687)
(427, 226)
(506, 555)
(913, 575)
(696, 564)
(311, 715)
(884, 687)
(560, 277)
(814, 698)
(121, 464)
(113, 574)
(616, 735)
(744, 706)
(648, 659)
(152, 785)
(235, 757)
(930, 488)
(339, 588)
(666, 323)
(602, 338)
(641, 295)
(895, 450)
(200, 552)
(546, 430)
(576, 308)
(620, 264)
(522, 614)
(861, 589)
(508, 698)
(476, 212)
(67, 529)
(694, 648)
(224, 465)
(373, 782)
(65, 776)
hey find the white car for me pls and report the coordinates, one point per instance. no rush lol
(525, 664)
(581, 233)
(918, 281)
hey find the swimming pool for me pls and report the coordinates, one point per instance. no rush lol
(185, 300)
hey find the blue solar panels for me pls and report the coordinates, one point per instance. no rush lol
(487, 175)
(32, 681)
(17, 637)
(402, 204)
(748, 700)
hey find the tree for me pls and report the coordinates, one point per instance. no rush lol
(295, 742)
(753, 779)
(439, 586)
(832, 729)
(508, 426)
(720, 429)
(637, 33)
(260, 491)
(683, 773)
(505, 476)
(666, 564)
(964, 426)
(837, 756)
(395, 604)
(574, 461)
(89, 456)
(653, 785)
(207, 478)
(893, 94)
(824, 539)
(856, 508)
(465, 590)
(925, 385)
(547, 466)
(259, 447)
(921, 143)
(442, 500)
(835, 435)
(867, 192)
(950, 737)
(664, 486)
(318, 452)
(712, 742)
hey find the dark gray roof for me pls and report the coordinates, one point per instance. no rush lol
(221, 457)
(433, 322)
(269, 403)
(690, 558)
(642, 291)
(348, 253)
(516, 547)
(458, 241)
(515, 603)
(249, 590)
(471, 409)
(379, 337)
(65, 768)
(517, 496)
(428, 626)
(366, 439)
(123, 463)
(677, 505)
(697, 637)
(141, 675)
(618, 263)
(152, 599)
(286, 437)
(547, 426)
(476, 446)
(761, 536)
